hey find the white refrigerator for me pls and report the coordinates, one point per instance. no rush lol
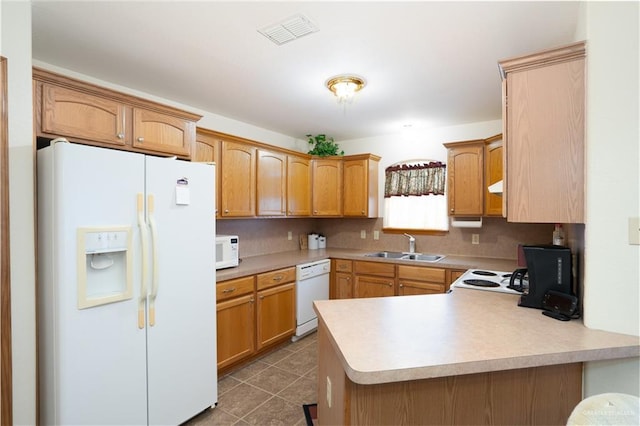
(126, 287)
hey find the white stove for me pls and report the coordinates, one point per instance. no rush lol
(497, 281)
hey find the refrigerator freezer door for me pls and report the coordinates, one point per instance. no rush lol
(92, 361)
(182, 340)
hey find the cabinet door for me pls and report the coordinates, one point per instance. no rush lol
(355, 175)
(465, 179)
(162, 133)
(271, 183)
(366, 286)
(236, 330)
(545, 145)
(408, 288)
(276, 316)
(238, 179)
(492, 174)
(343, 286)
(327, 187)
(298, 186)
(78, 115)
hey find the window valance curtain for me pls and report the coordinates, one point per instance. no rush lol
(416, 179)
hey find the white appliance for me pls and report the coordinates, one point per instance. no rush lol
(312, 283)
(478, 279)
(126, 287)
(226, 251)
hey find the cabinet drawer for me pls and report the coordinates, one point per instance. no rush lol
(273, 278)
(343, 265)
(233, 288)
(375, 268)
(433, 275)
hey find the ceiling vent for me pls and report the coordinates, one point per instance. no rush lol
(288, 29)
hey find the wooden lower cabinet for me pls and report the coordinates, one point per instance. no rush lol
(254, 313)
(235, 320)
(236, 329)
(367, 286)
(276, 314)
(341, 279)
(420, 280)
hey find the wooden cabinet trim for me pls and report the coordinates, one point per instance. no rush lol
(559, 54)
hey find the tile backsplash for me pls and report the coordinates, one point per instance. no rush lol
(498, 238)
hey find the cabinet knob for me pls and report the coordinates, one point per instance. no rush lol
(120, 135)
(226, 210)
(362, 212)
(452, 210)
(251, 300)
(390, 284)
(401, 285)
(261, 297)
(140, 139)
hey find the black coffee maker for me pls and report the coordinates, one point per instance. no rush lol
(548, 268)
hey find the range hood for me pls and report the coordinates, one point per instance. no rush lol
(496, 188)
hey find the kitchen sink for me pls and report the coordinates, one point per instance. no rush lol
(387, 254)
(423, 257)
(418, 257)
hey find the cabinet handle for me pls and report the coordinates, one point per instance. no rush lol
(362, 213)
(390, 284)
(140, 139)
(226, 210)
(261, 297)
(401, 285)
(278, 278)
(229, 290)
(251, 300)
(452, 210)
(120, 135)
(315, 212)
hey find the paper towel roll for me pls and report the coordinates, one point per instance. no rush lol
(466, 222)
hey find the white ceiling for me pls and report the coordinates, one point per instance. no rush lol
(426, 63)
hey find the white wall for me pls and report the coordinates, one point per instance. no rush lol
(16, 47)
(612, 277)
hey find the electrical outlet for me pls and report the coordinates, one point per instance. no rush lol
(475, 238)
(289, 236)
(363, 234)
(328, 391)
(376, 235)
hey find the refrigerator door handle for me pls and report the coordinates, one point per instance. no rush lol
(154, 268)
(143, 239)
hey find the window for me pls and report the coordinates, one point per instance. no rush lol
(414, 196)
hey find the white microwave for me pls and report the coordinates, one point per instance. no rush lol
(226, 251)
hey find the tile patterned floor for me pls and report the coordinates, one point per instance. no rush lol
(269, 391)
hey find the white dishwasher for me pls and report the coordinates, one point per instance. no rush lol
(312, 283)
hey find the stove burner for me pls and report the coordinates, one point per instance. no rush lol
(506, 275)
(481, 283)
(485, 273)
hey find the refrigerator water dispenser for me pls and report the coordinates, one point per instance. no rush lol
(105, 266)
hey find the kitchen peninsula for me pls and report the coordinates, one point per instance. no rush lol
(467, 357)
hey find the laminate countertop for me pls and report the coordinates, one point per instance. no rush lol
(269, 262)
(394, 339)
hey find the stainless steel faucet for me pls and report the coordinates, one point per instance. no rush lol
(412, 243)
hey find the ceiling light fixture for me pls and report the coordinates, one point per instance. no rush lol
(345, 87)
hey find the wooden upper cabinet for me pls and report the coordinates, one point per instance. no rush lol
(69, 113)
(327, 186)
(271, 183)
(544, 116)
(237, 179)
(298, 186)
(360, 184)
(207, 150)
(154, 131)
(465, 178)
(93, 115)
(492, 174)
